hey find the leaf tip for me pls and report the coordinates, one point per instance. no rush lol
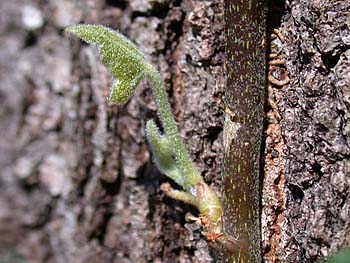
(70, 29)
(120, 56)
(89, 33)
(75, 29)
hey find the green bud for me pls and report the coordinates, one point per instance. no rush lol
(120, 56)
(161, 149)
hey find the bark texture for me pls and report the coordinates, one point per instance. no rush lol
(77, 180)
(306, 207)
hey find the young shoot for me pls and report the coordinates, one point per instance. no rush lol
(128, 66)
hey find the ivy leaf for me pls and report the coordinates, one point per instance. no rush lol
(120, 56)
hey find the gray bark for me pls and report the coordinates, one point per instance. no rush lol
(306, 203)
(78, 183)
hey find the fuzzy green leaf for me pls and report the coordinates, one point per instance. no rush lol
(162, 152)
(120, 56)
(128, 66)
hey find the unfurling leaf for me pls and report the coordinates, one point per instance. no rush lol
(162, 152)
(120, 56)
(128, 66)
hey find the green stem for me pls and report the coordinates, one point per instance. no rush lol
(192, 176)
(128, 67)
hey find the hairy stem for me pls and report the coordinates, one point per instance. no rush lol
(128, 66)
(192, 175)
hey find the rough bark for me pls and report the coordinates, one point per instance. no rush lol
(77, 182)
(306, 203)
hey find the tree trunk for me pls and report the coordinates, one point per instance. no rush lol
(78, 183)
(306, 198)
(77, 180)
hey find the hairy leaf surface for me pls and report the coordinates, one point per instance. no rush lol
(120, 56)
